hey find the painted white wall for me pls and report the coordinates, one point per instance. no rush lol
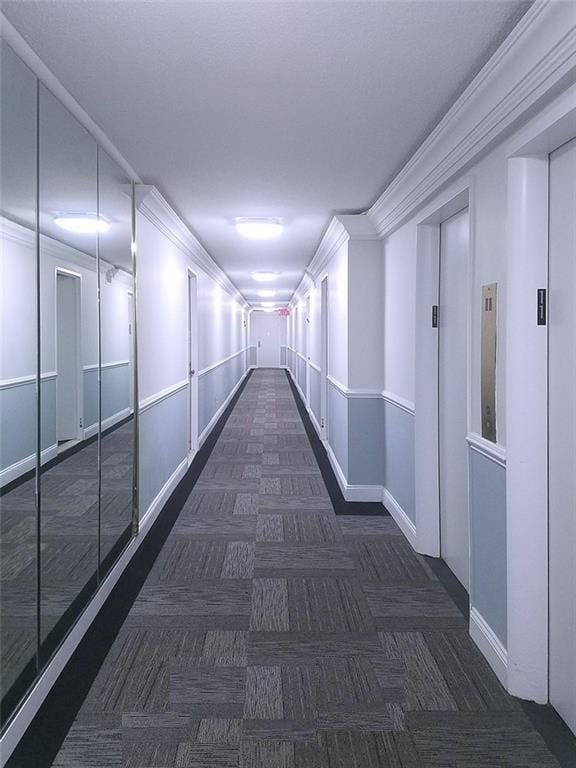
(337, 271)
(399, 307)
(162, 313)
(365, 315)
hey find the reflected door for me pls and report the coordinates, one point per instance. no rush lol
(562, 431)
(452, 395)
(68, 372)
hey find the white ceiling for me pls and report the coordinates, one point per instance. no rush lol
(295, 110)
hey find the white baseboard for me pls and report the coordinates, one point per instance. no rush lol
(490, 646)
(41, 689)
(400, 517)
(206, 431)
(107, 423)
(19, 468)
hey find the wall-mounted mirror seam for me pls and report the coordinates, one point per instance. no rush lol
(67, 373)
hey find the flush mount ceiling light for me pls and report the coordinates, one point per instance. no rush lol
(264, 277)
(259, 229)
(268, 303)
(82, 223)
(267, 294)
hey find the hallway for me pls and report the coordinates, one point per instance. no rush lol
(271, 633)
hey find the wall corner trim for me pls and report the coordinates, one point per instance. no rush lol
(400, 517)
(491, 647)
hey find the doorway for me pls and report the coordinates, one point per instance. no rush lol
(68, 359)
(562, 431)
(452, 394)
(192, 363)
(265, 331)
(324, 357)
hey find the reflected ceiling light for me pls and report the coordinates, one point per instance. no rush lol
(268, 303)
(264, 277)
(82, 223)
(259, 229)
(268, 293)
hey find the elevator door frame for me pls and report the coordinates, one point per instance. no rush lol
(527, 393)
(426, 425)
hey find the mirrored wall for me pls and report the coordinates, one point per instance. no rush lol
(68, 500)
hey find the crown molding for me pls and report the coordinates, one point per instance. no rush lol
(151, 203)
(537, 57)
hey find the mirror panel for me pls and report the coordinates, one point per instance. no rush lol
(117, 360)
(18, 381)
(68, 430)
(69, 402)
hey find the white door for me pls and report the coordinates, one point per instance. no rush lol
(265, 331)
(68, 356)
(562, 431)
(324, 355)
(452, 394)
(192, 362)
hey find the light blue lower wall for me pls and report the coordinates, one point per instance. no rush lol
(398, 466)
(315, 385)
(215, 386)
(365, 440)
(164, 439)
(18, 427)
(283, 352)
(115, 390)
(488, 542)
(252, 356)
(337, 417)
(301, 373)
(90, 386)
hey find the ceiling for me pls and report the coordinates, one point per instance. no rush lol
(296, 110)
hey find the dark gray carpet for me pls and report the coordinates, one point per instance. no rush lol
(273, 634)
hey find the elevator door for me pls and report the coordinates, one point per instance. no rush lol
(562, 431)
(452, 394)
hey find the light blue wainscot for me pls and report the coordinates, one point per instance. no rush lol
(215, 385)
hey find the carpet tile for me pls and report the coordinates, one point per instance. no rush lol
(272, 633)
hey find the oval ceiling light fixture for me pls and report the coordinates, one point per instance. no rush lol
(82, 223)
(268, 303)
(264, 277)
(259, 229)
(267, 294)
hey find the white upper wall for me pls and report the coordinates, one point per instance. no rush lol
(399, 300)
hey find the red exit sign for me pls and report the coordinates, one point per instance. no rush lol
(283, 311)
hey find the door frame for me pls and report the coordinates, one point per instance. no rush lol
(192, 360)
(527, 438)
(426, 422)
(324, 357)
(77, 277)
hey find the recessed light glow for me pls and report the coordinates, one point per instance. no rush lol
(268, 303)
(82, 223)
(267, 294)
(259, 229)
(264, 277)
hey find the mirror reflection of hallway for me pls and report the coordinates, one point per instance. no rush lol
(68, 370)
